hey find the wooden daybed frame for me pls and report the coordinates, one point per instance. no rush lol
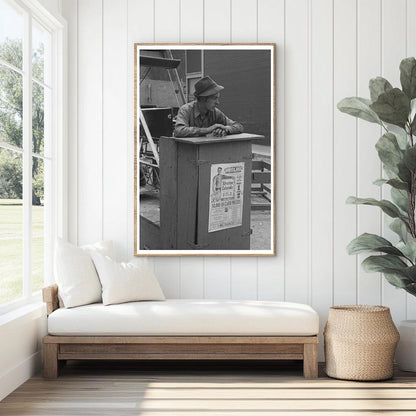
(58, 349)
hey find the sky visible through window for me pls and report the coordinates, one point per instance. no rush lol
(11, 22)
(12, 27)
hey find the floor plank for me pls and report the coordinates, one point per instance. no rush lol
(191, 389)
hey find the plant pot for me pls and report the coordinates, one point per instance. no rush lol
(360, 341)
(406, 349)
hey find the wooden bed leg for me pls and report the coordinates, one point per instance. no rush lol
(310, 360)
(50, 360)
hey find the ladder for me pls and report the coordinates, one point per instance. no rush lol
(168, 62)
(178, 90)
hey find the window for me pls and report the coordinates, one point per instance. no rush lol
(30, 148)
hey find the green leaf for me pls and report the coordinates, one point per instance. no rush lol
(411, 289)
(391, 174)
(378, 86)
(404, 173)
(412, 109)
(389, 208)
(400, 228)
(395, 183)
(389, 151)
(408, 249)
(412, 115)
(410, 272)
(366, 243)
(398, 184)
(401, 139)
(392, 107)
(380, 182)
(381, 263)
(359, 107)
(400, 198)
(408, 77)
(396, 271)
(409, 158)
(397, 280)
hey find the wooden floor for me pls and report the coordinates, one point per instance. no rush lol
(222, 389)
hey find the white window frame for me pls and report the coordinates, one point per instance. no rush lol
(58, 211)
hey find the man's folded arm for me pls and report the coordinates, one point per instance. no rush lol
(233, 126)
(186, 131)
(182, 127)
(236, 127)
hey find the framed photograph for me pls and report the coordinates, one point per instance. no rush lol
(204, 120)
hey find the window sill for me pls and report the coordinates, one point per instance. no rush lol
(35, 307)
(20, 302)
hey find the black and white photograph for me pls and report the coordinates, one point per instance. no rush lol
(204, 149)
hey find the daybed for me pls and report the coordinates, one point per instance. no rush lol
(181, 329)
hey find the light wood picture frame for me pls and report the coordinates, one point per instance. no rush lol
(204, 144)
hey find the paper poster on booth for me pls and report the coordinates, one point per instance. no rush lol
(226, 196)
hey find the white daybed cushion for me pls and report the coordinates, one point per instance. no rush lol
(187, 317)
(75, 273)
(126, 282)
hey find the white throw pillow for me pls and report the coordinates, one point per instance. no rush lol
(104, 247)
(75, 273)
(126, 282)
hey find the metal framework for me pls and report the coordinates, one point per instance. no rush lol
(149, 159)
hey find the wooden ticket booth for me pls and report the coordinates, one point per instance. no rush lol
(205, 191)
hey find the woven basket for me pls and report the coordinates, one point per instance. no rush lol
(360, 341)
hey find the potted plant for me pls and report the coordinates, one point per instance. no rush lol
(394, 109)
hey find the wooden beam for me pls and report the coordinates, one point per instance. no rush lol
(55, 339)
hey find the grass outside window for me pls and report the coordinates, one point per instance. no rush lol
(11, 249)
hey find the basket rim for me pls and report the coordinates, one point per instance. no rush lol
(360, 308)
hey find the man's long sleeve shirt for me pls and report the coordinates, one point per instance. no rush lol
(190, 121)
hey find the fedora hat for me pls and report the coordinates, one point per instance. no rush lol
(207, 86)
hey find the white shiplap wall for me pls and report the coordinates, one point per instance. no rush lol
(326, 50)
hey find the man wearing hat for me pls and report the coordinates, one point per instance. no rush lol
(202, 117)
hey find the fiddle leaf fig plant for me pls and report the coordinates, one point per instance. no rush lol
(394, 109)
